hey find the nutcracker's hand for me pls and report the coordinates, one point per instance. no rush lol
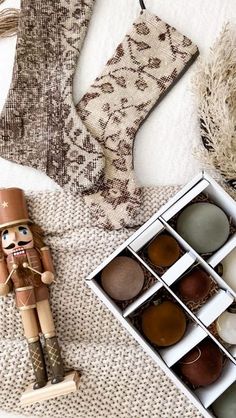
(4, 289)
(47, 277)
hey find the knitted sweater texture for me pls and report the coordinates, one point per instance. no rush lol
(41, 127)
(118, 380)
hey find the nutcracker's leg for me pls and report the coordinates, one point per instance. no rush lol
(35, 349)
(51, 343)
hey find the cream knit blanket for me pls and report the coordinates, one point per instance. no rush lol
(118, 379)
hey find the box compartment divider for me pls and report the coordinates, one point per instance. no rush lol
(179, 268)
(155, 228)
(142, 299)
(199, 259)
(185, 200)
(216, 258)
(214, 307)
(194, 335)
(149, 349)
(190, 313)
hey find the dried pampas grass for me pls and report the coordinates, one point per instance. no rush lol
(9, 22)
(215, 86)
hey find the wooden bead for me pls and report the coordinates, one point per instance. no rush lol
(47, 277)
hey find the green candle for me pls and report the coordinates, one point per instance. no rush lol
(225, 405)
(204, 226)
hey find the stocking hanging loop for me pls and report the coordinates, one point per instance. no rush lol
(143, 7)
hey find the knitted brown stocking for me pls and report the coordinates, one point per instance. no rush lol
(150, 59)
(39, 126)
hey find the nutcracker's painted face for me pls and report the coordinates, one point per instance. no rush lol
(16, 239)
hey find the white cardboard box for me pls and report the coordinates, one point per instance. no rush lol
(199, 321)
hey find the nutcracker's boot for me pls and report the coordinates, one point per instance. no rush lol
(38, 363)
(55, 360)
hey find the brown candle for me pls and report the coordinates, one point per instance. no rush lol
(203, 364)
(163, 251)
(195, 286)
(164, 324)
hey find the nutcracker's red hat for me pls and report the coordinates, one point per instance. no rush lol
(13, 207)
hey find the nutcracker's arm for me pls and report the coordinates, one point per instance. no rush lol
(47, 276)
(47, 259)
(4, 273)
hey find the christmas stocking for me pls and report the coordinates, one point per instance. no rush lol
(39, 125)
(151, 58)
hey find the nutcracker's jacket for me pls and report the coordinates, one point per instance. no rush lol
(29, 288)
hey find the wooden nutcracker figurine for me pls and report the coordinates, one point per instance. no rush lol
(26, 265)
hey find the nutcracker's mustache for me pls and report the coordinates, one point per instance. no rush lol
(20, 244)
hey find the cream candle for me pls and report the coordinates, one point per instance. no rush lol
(226, 325)
(229, 269)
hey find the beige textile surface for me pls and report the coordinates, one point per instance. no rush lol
(118, 378)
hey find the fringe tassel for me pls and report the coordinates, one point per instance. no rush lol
(215, 86)
(8, 22)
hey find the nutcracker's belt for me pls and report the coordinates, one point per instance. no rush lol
(28, 296)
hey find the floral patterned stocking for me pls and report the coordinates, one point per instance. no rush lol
(151, 58)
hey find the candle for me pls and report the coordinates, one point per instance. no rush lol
(122, 278)
(226, 325)
(204, 226)
(163, 251)
(202, 365)
(229, 269)
(225, 405)
(164, 324)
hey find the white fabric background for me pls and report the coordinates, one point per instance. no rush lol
(165, 143)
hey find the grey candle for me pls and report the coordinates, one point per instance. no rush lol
(204, 226)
